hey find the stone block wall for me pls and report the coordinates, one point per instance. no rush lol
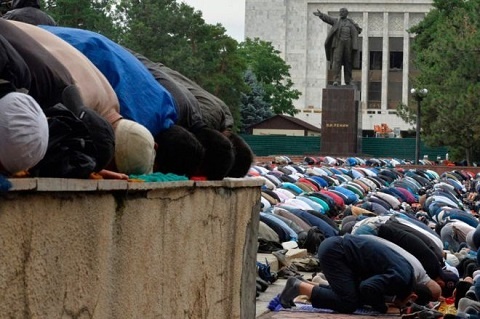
(112, 249)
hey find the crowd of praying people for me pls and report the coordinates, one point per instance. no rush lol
(391, 237)
(75, 104)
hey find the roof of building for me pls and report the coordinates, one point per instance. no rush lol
(284, 122)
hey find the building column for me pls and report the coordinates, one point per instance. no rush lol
(406, 60)
(365, 64)
(385, 63)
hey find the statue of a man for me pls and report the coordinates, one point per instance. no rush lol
(341, 44)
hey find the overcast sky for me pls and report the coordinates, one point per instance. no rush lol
(229, 13)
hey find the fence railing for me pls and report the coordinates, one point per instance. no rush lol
(402, 148)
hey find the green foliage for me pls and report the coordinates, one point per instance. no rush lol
(98, 15)
(447, 55)
(272, 73)
(407, 112)
(254, 108)
(148, 27)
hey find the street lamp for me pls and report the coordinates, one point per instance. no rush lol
(418, 94)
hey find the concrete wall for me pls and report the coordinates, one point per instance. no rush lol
(111, 249)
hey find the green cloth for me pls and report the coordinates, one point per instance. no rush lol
(159, 177)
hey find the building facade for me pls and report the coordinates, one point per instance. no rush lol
(383, 78)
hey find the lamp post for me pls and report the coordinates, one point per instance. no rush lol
(418, 95)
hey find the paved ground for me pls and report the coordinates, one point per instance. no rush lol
(265, 297)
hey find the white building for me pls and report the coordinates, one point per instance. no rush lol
(383, 79)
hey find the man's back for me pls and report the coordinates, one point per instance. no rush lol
(369, 257)
(28, 11)
(49, 76)
(94, 88)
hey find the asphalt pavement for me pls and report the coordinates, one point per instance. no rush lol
(273, 290)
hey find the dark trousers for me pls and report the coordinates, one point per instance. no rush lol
(342, 295)
(342, 55)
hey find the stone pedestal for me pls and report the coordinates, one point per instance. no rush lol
(341, 121)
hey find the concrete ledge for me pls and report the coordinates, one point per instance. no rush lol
(75, 185)
(115, 249)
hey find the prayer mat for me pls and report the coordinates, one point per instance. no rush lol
(275, 305)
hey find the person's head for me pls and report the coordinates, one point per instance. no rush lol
(476, 239)
(179, 152)
(419, 294)
(447, 281)
(134, 148)
(348, 223)
(424, 294)
(219, 154)
(24, 132)
(243, 156)
(343, 13)
(16, 4)
(103, 137)
(478, 256)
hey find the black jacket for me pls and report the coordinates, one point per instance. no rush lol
(14, 72)
(48, 76)
(28, 11)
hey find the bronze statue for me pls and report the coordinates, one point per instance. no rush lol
(341, 45)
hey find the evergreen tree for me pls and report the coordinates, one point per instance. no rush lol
(254, 109)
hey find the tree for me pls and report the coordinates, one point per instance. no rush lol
(98, 15)
(176, 35)
(149, 27)
(447, 55)
(223, 68)
(254, 109)
(272, 73)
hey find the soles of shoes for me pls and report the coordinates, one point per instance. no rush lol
(262, 285)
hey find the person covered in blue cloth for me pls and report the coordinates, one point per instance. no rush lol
(143, 100)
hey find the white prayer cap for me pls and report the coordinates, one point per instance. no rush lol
(134, 148)
(23, 132)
